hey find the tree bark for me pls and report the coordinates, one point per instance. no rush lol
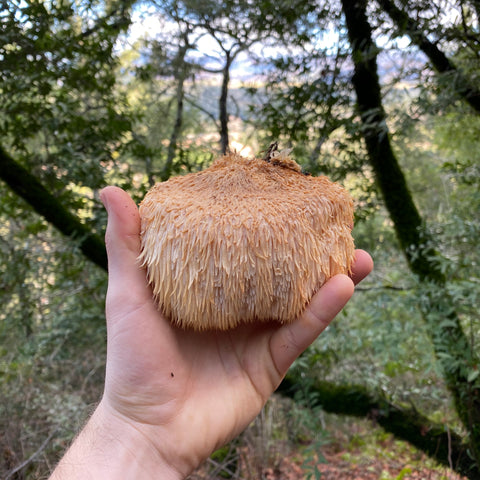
(223, 103)
(26, 185)
(438, 59)
(453, 349)
(441, 444)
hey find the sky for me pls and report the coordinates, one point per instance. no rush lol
(146, 23)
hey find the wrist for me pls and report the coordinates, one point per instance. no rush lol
(109, 447)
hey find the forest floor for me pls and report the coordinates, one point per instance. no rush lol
(352, 450)
(348, 465)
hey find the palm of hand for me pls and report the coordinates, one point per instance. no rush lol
(191, 383)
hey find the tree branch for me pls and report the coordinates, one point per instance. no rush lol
(196, 105)
(438, 59)
(32, 457)
(26, 185)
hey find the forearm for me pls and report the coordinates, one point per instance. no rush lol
(108, 448)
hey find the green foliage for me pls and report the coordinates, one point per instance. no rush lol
(382, 339)
(58, 113)
(51, 334)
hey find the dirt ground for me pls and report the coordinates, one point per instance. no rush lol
(341, 465)
(337, 468)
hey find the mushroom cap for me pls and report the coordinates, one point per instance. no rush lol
(244, 240)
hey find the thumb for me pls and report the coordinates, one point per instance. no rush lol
(122, 239)
(289, 341)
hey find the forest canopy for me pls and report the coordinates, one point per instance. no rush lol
(381, 96)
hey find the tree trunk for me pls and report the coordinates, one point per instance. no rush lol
(177, 127)
(222, 104)
(452, 347)
(438, 59)
(26, 185)
(445, 446)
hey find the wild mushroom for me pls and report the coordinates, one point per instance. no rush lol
(244, 240)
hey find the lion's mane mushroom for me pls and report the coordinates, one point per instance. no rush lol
(244, 240)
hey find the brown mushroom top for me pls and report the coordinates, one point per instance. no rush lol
(245, 240)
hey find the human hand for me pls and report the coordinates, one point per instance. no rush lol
(173, 396)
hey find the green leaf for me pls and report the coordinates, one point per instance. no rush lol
(473, 375)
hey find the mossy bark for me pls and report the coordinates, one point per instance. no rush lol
(27, 186)
(453, 350)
